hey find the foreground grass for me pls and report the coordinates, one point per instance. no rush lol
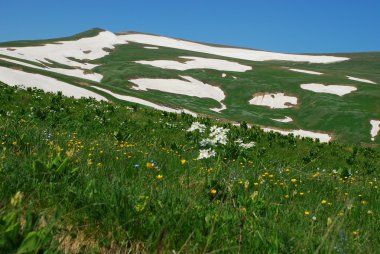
(80, 176)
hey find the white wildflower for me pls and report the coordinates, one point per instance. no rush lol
(219, 134)
(197, 126)
(207, 141)
(206, 153)
(247, 145)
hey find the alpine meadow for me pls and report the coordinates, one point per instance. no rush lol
(138, 143)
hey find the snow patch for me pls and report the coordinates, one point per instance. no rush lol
(305, 71)
(361, 80)
(16, 77)
(331, 89)
(70, 72)
(144, 102)
(198, 63)
(245, 54)
(287, 119)
(274, 100)
(189, 86)
(375, 128)
(148, 47)
(224, 75)
(83, 49)
(323, 137)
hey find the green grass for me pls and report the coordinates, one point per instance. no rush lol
(84, 167)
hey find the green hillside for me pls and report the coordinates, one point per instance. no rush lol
(81, 176)
(345, 118)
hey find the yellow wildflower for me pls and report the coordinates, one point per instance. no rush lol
(213, 191)
(159, 177)
(323, 202)
(307, 213)
(150, 165)
(183, 162)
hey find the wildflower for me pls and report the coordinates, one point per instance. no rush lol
(207, 141)
(14, 143)
(301, 193)
(243, 209)
(150, 165)
(314, 218)
(197, 126)
(317, 174)
(370, 212)
(355, 233)
(323, 202)
(183, 162)
(246, 184)
(213, 191)
(363, 202)
(247, 145)
(293, 180)
(136, 165)
(307, 213)
(159, 177)
(206, 153)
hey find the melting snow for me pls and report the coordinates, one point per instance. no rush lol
(275, 100)
(287, 119)
(198, 63)
(144, 102)
(16, 77)
(305, 71)
(148, 47)
(189, 87)
(375, 129)
(70, 72)
(361, 80)
(245, 54)
(83, 49)
(323, 137)
(332, 89)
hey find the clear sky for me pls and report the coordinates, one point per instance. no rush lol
(277, 25)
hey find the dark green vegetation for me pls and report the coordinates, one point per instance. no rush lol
(81, 176)
(346, 118)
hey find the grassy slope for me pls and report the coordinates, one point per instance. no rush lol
(346, 118)
(97, 188)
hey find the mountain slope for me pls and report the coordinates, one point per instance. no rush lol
(327, 97)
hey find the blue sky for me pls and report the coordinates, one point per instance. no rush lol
(277, 25)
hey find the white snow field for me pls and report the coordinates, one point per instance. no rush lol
(331, 89)
(375, 128)
(245, 54)
(144, 102)
(86, 48)
(189, 86)
(274, 100)
(323, 137)
(361, 80)
(148, 47)
(307, 72)
(198, 63)
(20, 78)
(286, 119)
(70, 72)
